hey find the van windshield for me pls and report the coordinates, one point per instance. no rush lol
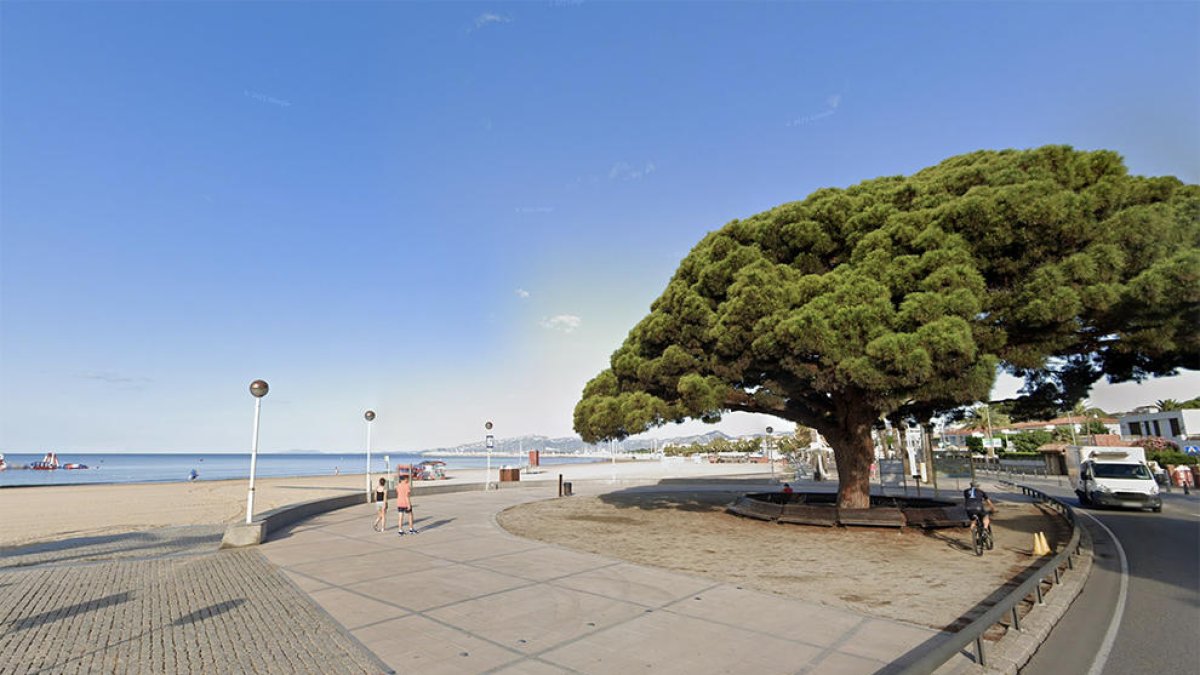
(1132, 471)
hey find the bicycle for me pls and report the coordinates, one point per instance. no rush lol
(982, 536)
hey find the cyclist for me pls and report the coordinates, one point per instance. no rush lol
(978, 504)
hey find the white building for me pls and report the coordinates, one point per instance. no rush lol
(1181, 426)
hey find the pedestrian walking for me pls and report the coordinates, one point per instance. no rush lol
(404, 504)
(381, 505)
(1183, 476)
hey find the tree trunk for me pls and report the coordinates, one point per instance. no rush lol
(854, 452)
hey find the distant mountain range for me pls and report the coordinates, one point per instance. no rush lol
(570, 444)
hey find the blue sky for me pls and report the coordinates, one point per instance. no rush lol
(455, 212)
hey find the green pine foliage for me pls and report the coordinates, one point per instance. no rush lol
(904, 295)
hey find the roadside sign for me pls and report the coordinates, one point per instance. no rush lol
(1192, 449)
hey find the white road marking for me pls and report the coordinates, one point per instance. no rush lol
(1111, 635)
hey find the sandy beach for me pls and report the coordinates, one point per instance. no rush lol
(37, 514)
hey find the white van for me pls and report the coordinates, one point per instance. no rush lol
(1106, 476)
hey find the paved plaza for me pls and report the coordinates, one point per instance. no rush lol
(331, 595)
(464, 596)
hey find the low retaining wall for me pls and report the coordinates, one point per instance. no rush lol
(821, 509)
(256, 532)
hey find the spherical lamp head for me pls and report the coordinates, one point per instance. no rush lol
(369, 415)
(258, 388)
(770, 430)
(488, 426)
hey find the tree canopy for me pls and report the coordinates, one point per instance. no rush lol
(904, 295)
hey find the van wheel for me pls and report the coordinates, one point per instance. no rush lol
(1157, 509)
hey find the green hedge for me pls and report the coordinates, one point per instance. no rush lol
(1019, 455)
(1167, 457)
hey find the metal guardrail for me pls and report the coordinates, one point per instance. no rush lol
(973, 632)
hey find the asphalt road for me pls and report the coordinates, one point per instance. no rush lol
(1161, 612)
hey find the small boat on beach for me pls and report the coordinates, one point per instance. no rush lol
(74, 465)
(3, 464)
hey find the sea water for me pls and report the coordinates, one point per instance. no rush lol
(168, 467)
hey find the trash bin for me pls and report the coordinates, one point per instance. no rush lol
(510, 475)
(567, 489)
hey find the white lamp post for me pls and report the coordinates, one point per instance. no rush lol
(489, 441)
(258, 389)
(369, 416)
(767, 452)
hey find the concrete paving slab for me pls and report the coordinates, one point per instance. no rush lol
(305, 583)
(666, 642)
(531, 667)
(537, 618)
(543, 563)
(464, 549)
(375, 565)
(353, 610)
(438, 586)
(634, 583)
(774, 615)
(416, 644)
(884, 640)
(837, 663)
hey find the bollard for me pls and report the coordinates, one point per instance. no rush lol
(567, 489)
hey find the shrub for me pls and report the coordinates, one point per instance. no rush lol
(1165, 457)
(1156, 444)
(1020, 455)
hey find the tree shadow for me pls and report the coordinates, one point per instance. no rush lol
(139, 541)
(696, 501)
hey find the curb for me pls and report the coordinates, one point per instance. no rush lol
(238, 535)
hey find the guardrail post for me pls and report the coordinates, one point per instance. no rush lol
(1040, 600)
(1016, 622)
(979, 651)
(1057, 576)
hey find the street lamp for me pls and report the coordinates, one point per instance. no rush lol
(258, 389)
(768, 453)
(490, 442)
(369, 416)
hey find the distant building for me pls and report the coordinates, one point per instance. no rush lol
(1181, 426)
(958, 437)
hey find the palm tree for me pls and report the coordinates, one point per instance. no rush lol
(1168, 404)
(978, 418)
(1082, 409)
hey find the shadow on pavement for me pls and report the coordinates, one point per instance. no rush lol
(433, 525)
(209, 612)
(42, 554)
(84, 607)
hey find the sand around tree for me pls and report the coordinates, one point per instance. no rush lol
(932, 578)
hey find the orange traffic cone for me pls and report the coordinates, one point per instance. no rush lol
(1040, 547)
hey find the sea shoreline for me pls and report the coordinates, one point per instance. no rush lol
(50, 513)
(134, 468)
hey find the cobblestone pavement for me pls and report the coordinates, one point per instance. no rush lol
(127, 545)
(162, 602)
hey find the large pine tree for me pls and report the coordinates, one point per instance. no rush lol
(902, 296)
